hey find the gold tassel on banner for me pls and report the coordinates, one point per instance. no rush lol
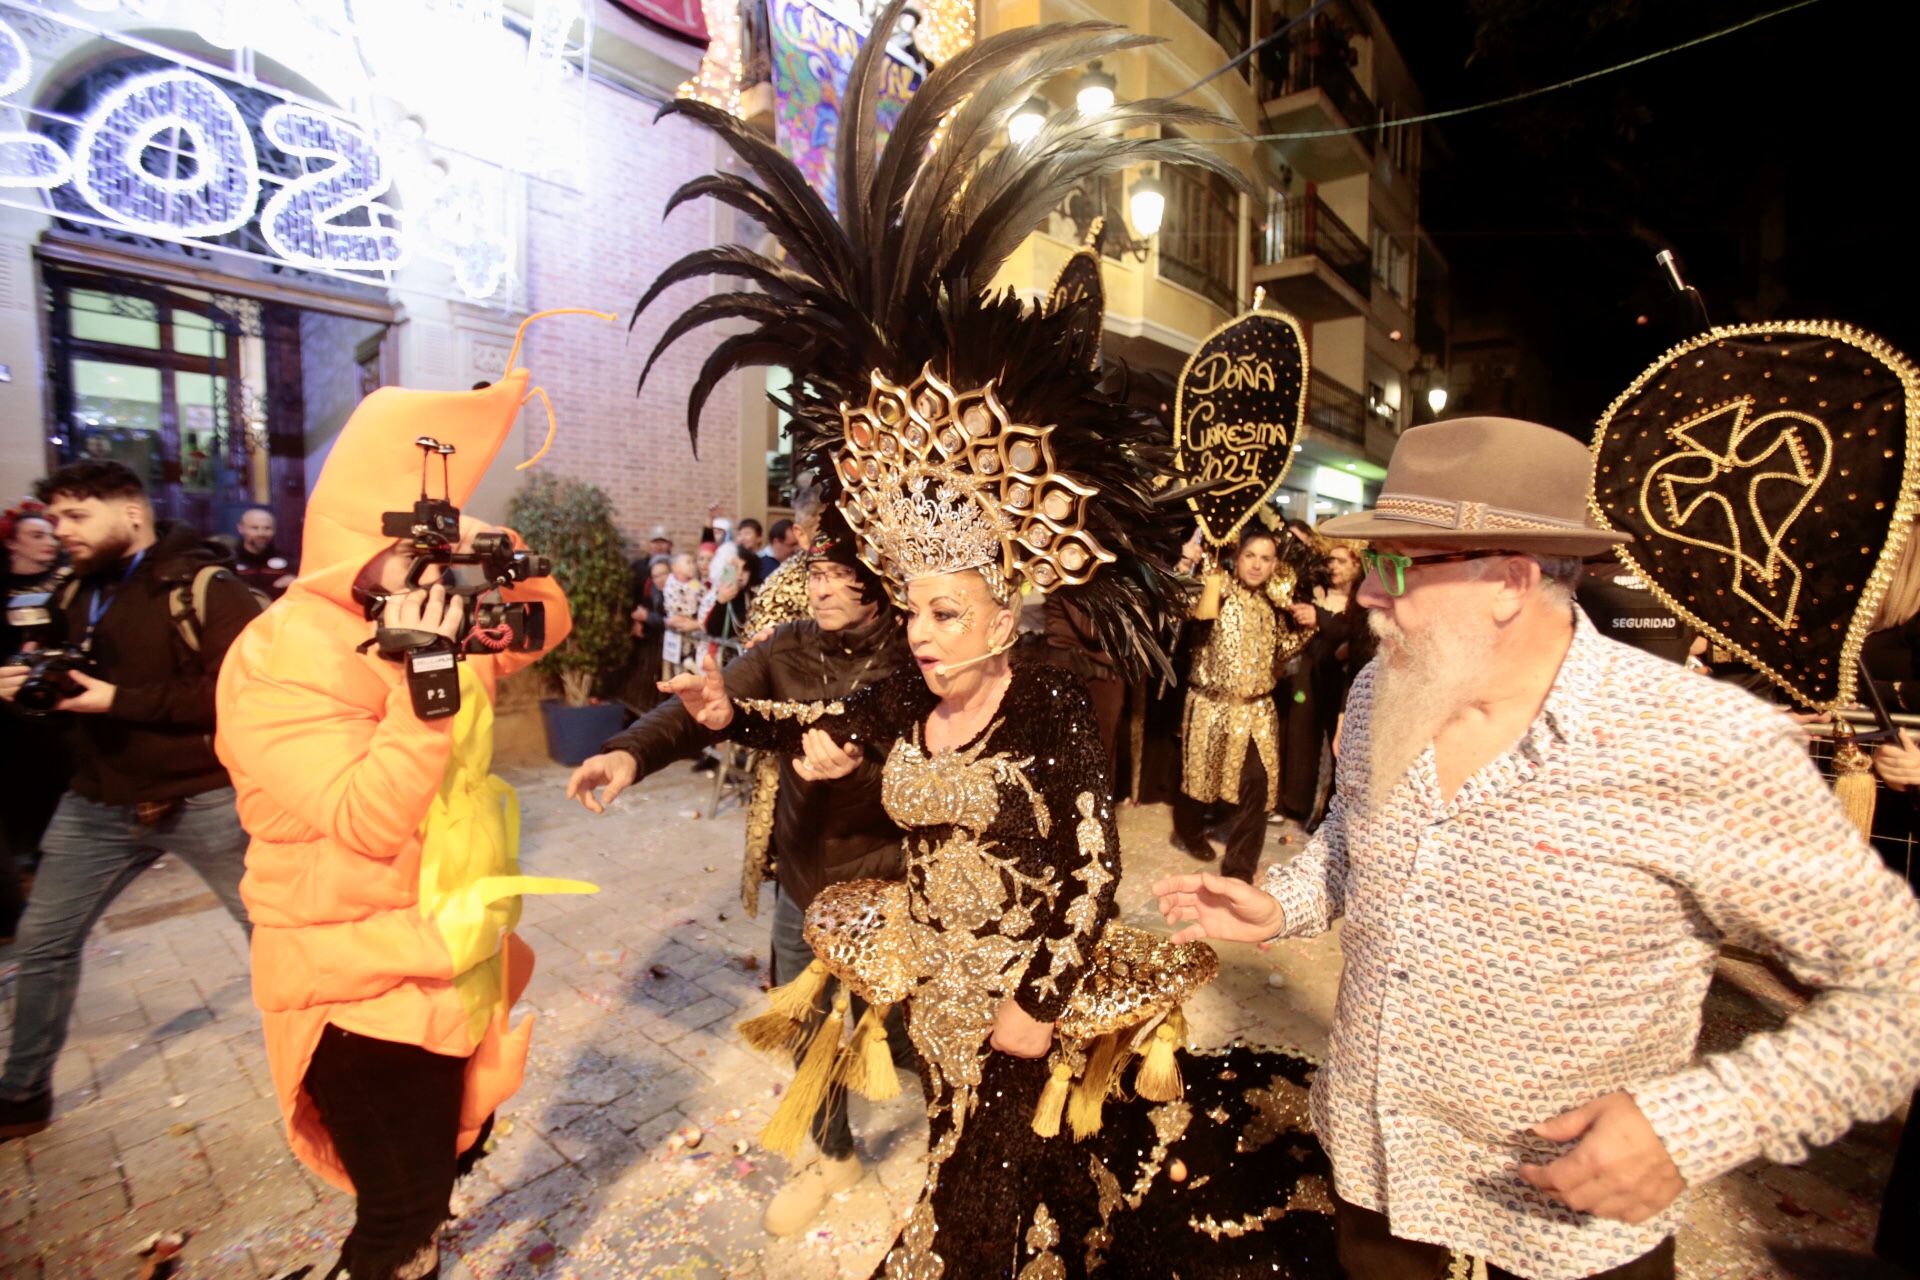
(779, 1029)
(794, 1116)
(1053, 1100)
(866, 1065)
(1853, 782)
(1090, 1096)
(1158, 1079)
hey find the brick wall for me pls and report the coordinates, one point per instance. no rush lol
(601, 247)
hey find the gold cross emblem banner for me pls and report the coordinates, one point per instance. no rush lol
(1768, 475)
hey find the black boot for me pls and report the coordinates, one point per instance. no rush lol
(27, 1116)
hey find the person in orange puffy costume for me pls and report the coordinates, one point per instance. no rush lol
(382, 874)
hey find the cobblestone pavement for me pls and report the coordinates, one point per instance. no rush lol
(165, 1118)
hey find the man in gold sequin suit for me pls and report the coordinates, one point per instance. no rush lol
(1230, 736)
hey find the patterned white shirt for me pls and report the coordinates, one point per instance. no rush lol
(1547, 936)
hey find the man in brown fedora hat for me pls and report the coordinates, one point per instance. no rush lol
(1538, 841)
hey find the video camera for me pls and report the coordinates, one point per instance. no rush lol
(493, 625)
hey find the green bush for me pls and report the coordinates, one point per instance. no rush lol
(572, 523)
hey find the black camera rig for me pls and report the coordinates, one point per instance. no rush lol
(431, 536)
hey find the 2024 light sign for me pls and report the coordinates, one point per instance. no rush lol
(212, 183)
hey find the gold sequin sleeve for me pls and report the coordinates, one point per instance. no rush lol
(1071, 770)
(872, 717)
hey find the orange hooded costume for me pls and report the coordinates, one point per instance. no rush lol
(382, 879)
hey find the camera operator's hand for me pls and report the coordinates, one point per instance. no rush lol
(425, 609)
(613, 770)
(94, 699)
(11, 678)
(704, 694)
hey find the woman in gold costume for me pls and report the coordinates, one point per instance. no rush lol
(976, 455)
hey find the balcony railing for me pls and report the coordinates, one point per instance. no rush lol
(1303, 226)
(1200, 235)
(1319, 55)
(1335, 410)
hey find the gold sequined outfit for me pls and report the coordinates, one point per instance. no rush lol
(1012, 863)
(1230, 702)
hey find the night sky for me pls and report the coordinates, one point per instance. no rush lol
(1771, 161)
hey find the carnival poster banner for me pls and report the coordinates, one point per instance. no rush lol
(1079, 287)
(812, 53)
(1767, 474)
(1237, 412)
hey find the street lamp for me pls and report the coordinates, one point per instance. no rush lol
(1437, 400)
(1027, 122)
(1094, 96)
(1146, 206)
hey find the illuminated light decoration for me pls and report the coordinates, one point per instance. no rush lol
(29, 160)
(16, 64)
(945, 29)
(300, 220)
(717, 82)
(458, 235)
(219, 194)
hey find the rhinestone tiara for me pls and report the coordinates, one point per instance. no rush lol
(938, 480)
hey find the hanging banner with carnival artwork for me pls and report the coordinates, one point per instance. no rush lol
(1767, 473)
(1079, 288)
(813, 51)
(1237, 412)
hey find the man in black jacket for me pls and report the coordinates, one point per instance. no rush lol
(140, 724)
(824, 832)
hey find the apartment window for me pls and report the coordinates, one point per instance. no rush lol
(1400, 144)
(1390, 264)
(1200, 235)
(1225, 21)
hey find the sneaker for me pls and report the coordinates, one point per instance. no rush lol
(28, 1116)
(807, 1192)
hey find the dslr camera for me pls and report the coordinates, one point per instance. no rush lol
(48, 683)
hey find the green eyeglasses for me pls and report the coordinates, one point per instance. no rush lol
(1391, 569)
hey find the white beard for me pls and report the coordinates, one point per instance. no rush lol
(1421, 683)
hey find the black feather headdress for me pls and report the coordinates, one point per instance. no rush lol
(882, 314)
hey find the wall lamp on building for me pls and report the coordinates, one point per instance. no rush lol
(1146, 208)
(1094, 94)
(1437, 400)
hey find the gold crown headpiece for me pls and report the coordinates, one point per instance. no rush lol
(938, 480)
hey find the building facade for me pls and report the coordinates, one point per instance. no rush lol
(221, 226)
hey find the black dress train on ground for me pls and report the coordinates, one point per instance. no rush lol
(1012, 861)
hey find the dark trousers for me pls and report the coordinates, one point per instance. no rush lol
(393, 1112)
(1370, 1251)
(1246, 822)
(1898, 1237)
(791, 954)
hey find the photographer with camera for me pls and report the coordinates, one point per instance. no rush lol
(357, 719)
(133, 645)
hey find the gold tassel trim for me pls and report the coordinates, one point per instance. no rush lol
(866, 1064)
(1853, 782)
(789, 1006)
(794, 1116)
(1053, 1101)
(1158, 1079)
(1090, 1095)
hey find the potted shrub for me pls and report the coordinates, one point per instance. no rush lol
(572, 524)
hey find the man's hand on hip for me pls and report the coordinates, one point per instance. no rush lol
(1618, 1167)
(1220, 907)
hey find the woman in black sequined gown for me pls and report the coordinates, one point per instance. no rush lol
(996, 768)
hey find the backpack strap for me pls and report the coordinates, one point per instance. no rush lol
(188, 604)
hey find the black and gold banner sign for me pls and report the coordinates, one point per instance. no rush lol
(1767, 473)
(1079, 288)
(1237, 412)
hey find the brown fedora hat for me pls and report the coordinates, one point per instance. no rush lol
(1495, 483)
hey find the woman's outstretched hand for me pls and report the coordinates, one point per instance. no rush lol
(703, 694)
(1017, 1034)
(1219, 907)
